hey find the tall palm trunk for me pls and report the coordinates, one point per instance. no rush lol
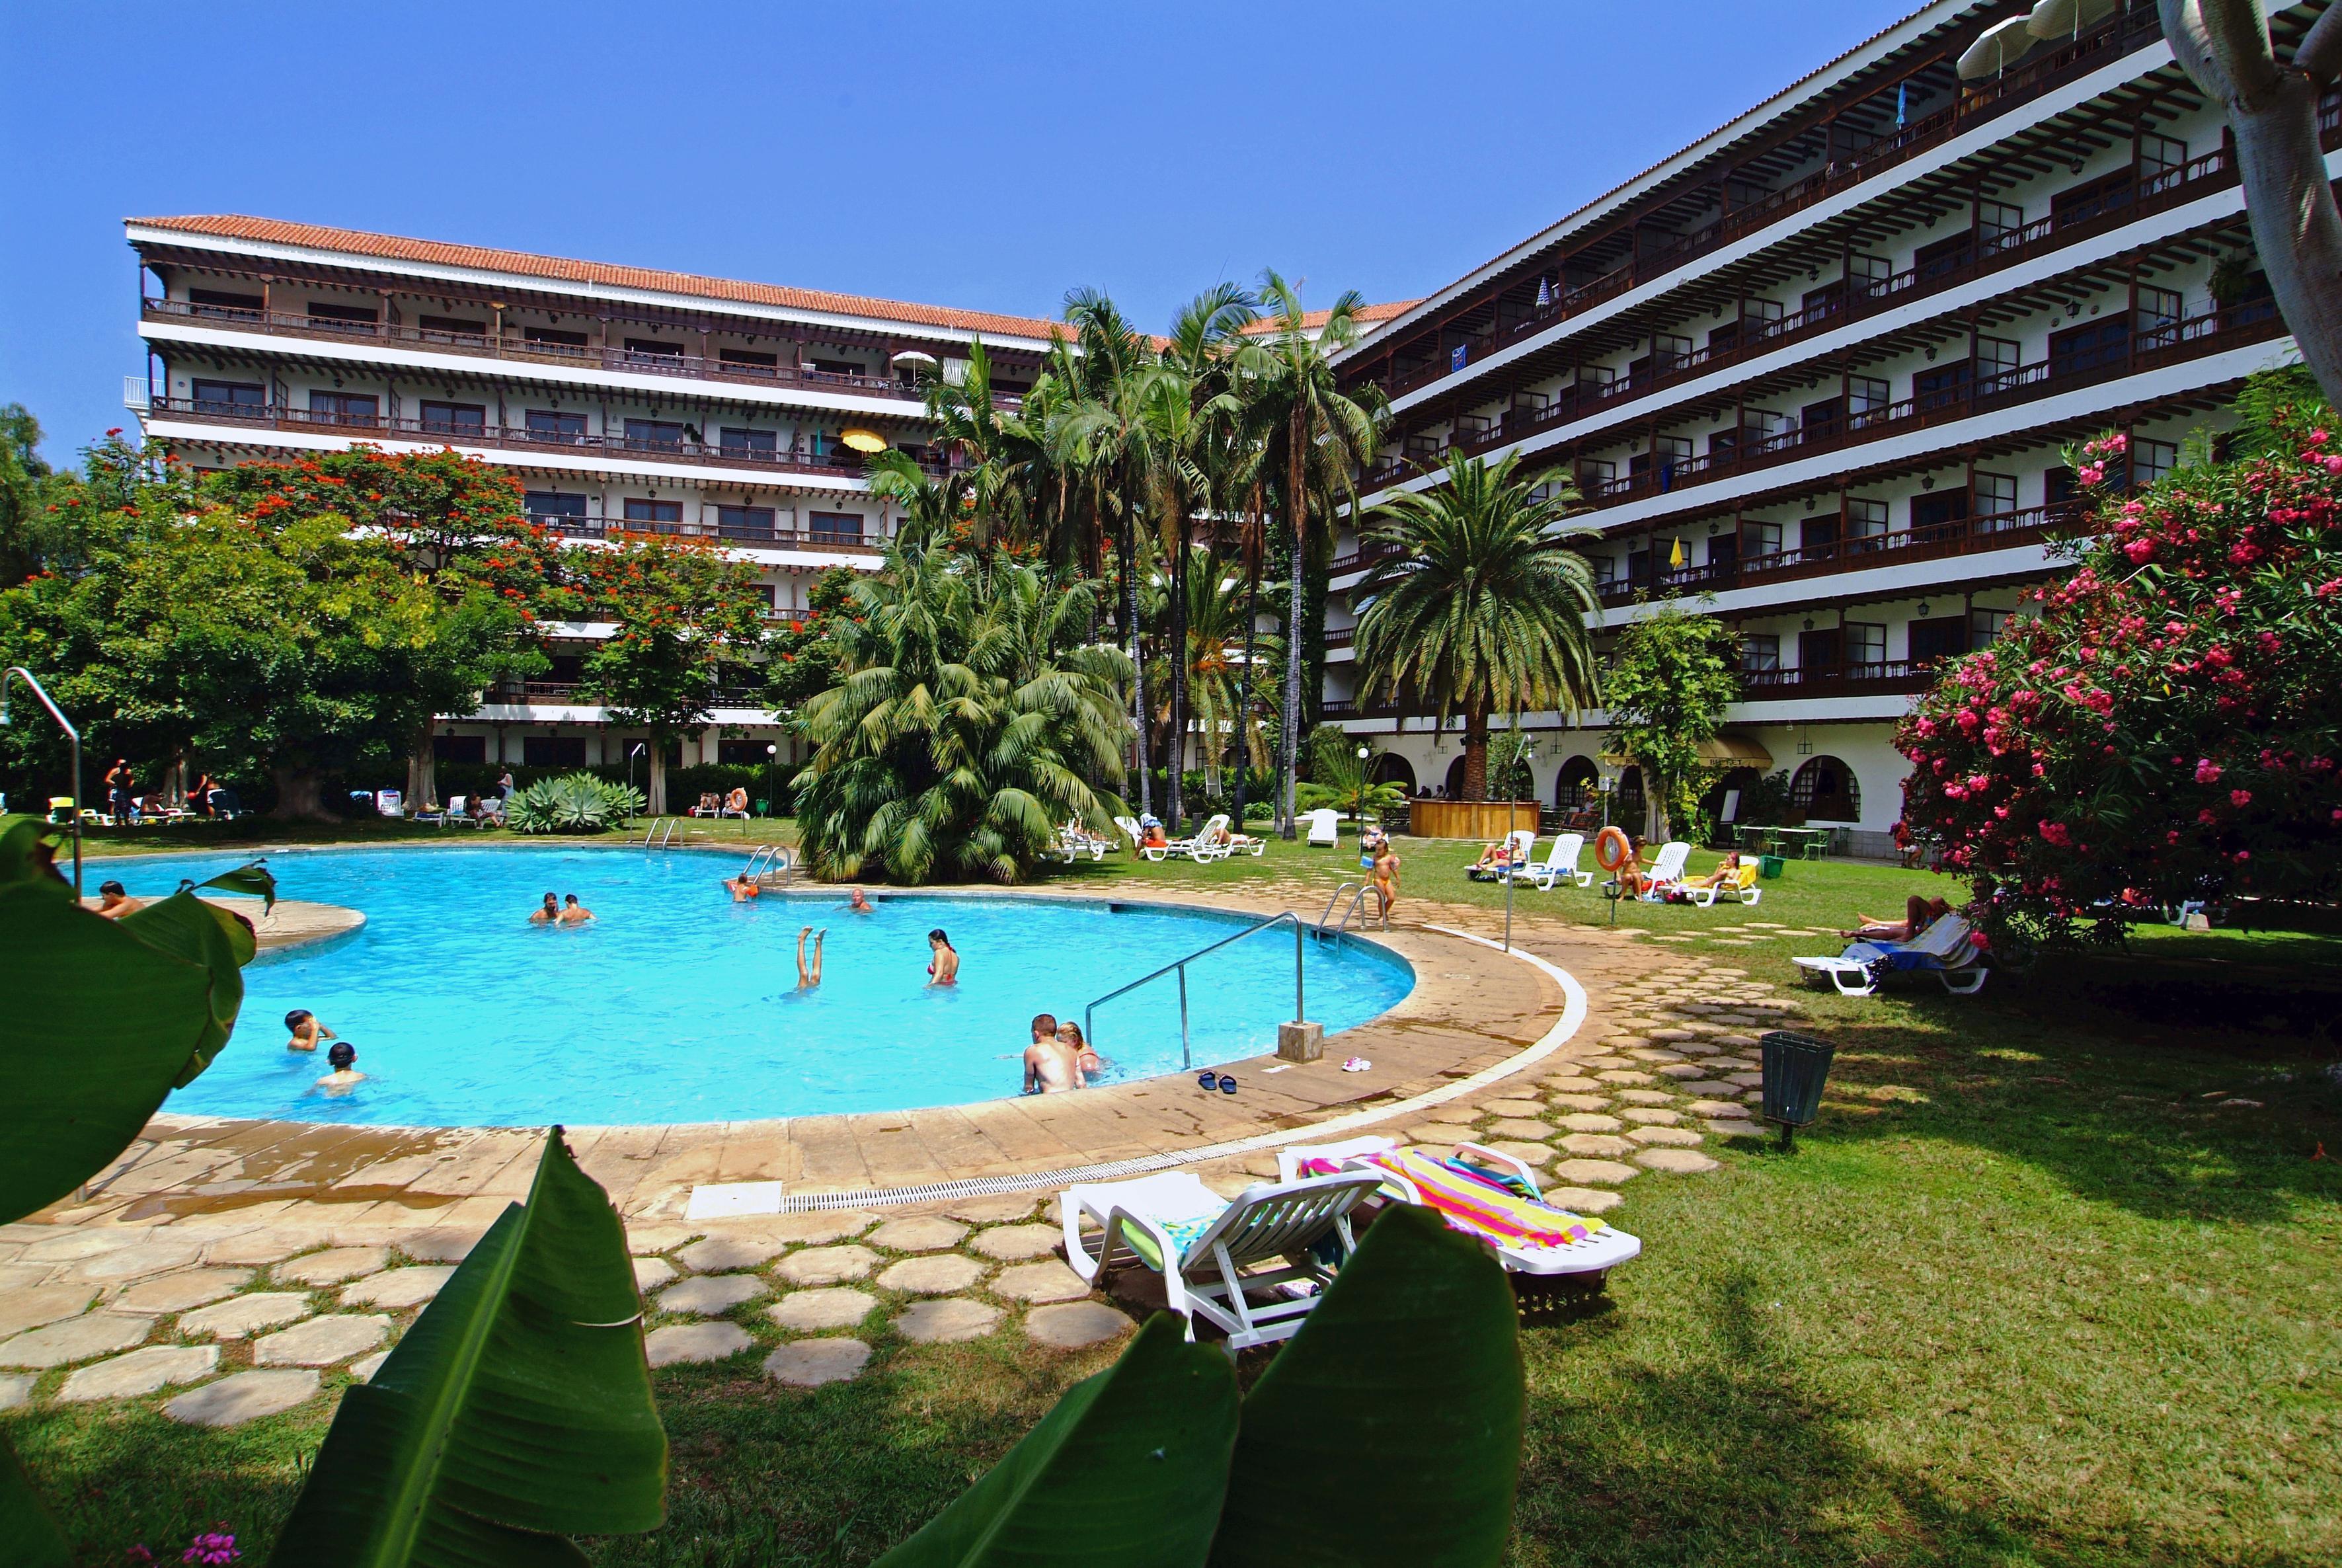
(1243, 682)
(1476, 753)
(1298, 515)
(1138, 666)
(1174, 792)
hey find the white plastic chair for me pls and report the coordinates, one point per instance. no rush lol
(1561, 865)
(1666, 871)
(1257, 1243)
(389, 802)
(1208, 843)
(1518, 842)
(1603, 1249)
(1325, 827)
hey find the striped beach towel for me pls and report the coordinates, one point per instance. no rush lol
(1478, 1201)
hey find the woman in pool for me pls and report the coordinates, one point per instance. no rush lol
(1085, 1060)
(807, 978)
(943, 969)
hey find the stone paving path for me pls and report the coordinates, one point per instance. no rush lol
(217, 1321)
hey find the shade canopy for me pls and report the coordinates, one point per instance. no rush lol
(1724, 751)
(863, 439)
(912, 356)
(2064, 18)
(2001, 46)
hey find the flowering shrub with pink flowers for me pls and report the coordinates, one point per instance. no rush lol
(2169, 726)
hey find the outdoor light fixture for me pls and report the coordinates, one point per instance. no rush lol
(1923, 609)
(1809, 623)
(1931, 353)
(1927, 482)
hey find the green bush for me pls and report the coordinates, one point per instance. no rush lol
(573, 803)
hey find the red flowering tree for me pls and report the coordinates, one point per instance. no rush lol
(687, 618)
(2169, 727)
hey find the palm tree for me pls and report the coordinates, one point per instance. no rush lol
(1316, 439)
(971, 716)
(1483, 606)
(1220, 648)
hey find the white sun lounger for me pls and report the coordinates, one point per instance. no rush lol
(1215, 1253)
(1943, 950)
(1518, 842)
(1075, 841)
(1741, 889)
(1562, 865)
(1325, 827)
(1605, 1249)
(1666, 871)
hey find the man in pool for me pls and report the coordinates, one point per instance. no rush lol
(305, 1031)
(343, 1059)
(572, 912)
(548, 914)
(114, 901)
(1049, 1066)
(858, 902)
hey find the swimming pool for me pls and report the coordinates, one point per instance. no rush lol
(676, 1005)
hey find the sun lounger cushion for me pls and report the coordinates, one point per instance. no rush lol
(1478, 1201)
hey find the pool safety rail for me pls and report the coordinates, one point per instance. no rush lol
(771, 864)
(728, 1200)
(1358, 891)
(1179, 967)
(660, 833)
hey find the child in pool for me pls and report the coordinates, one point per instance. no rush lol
(305, 1031)
(343, 1058)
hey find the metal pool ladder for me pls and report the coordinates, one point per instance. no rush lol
(1179, 967)
(661, 833)
(1358, 891)
(770, 862)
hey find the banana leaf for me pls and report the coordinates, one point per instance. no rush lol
(103, 1017)
(516, 1411)
(1127, 1469)
(1389, 1430)
(33, 1537)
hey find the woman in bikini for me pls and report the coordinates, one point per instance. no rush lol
(1919, 913)
(1386, 878)
(1089, 1064)
(943, 969)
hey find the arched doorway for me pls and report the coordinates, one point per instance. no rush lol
(1824, 790)
(1392, 768)
(1455, 778)
(1577, 786)
(1630, 810)
(1742, 780)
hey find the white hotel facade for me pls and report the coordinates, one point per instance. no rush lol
(619, 398)
(1813, 372)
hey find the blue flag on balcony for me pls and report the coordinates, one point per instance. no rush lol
(1902, 102)
(1456, 356)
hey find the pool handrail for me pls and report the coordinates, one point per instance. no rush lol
(1089, 1014)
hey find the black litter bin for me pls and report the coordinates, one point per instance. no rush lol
(1796, 1068)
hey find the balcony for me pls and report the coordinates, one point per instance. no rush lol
(1978, 102)
(776, 537)
(583, 357)
(1885, 677)
(2194, 338)
(573, 694)
(439, 431)
(1961, 536)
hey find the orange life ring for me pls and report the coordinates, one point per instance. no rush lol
(1612, 849)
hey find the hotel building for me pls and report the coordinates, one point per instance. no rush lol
(618, 397)
(1813, 372)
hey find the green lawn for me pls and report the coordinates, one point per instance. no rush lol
(2035, 1291)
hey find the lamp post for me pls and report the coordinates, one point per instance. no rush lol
(772, 762)
(19, 673)
(1606, 775)
(1364, 752)
(631, 753)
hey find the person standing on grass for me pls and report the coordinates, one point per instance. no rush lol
(119, 783)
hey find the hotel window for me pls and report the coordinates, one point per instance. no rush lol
(1942, 388)
(2159, 317)
(219, 302)
(229, 397)
(2090, 347)
(1866, 396)
(659, 435)
(555, 337)
(455, 418)
(1760, 652)
(344, 407)
(1867, 275)
(556, 424)
(1996, 361)
(654, 512)
(460, 748)
(1944, 637)
(1865, 519)
(1984, 626)
(556, 509)
(745, 522)
(2151, 460)
(749, 359)
(741, 443)
(1998, 226)
(834, 527)
(1939, 510)
(1758, 540)
(1864, 642)
(1994, 495)
(652, 348)
(450, 326)
(341, 317)
(553, 751)
(2160, 155)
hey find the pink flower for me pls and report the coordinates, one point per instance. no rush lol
(2240, 798)
(2207, 771)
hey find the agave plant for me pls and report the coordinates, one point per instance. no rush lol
(573, 803)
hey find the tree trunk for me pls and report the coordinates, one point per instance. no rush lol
(298, 797)
(1138, 665)
(1242, 728)
(2224, 46)
(1175, 792)
(422, 773)
(1476, 753)
(657, 787)
(1297, 518)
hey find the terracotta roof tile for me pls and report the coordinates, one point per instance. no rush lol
(394, 248)
(1365, 315)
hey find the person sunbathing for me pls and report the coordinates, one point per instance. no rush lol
(1150, 835)
(809, 976)
(1918, 915)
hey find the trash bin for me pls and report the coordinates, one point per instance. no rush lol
(1796, 1068)
(1769, 866)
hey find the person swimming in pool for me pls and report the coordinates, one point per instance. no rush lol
(942, 968)
(343, 1059)
(572, 912)
(305, 1031)
(1049, 1066)
(548, 912)
(114, 901)
(858, 902)
(809, 977)
(1085, 1060)
(744, 888)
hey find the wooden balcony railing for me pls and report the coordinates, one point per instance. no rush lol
(1978, 101)
(510, 345)
(568, 693)
(508, 437)
(776, 537)
(1886, 676)
(1960, 536)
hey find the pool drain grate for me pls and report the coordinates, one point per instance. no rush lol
(715, 1199)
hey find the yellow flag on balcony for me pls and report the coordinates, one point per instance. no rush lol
(1676, 560)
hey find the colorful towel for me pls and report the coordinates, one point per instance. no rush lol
(1479, 1202)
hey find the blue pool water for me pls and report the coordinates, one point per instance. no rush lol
(677, 1005)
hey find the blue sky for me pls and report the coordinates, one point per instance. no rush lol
(988, 156)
